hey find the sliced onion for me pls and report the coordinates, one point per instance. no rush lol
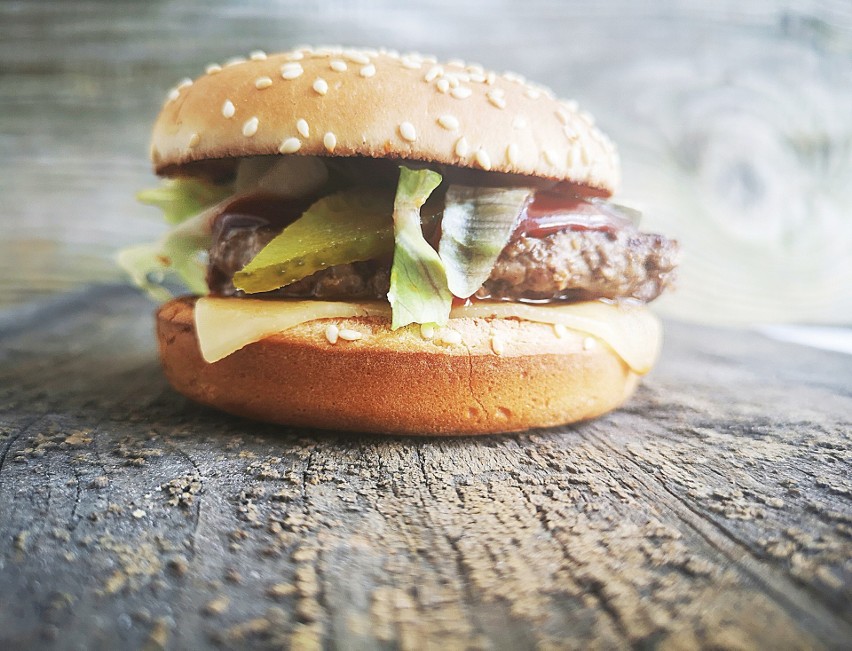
(477, 225)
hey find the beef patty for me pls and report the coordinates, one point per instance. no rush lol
(567, 265)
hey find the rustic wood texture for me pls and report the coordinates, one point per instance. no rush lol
(713, 512)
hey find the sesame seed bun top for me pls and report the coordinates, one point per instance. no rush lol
(379, 104)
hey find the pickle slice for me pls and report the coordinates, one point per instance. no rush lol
(348, 226)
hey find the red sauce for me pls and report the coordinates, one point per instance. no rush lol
(549, 212)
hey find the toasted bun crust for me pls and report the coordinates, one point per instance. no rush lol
(334, 101)
(401, 385)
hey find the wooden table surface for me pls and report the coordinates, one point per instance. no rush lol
(714, 511)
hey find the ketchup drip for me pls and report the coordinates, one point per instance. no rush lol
(550, 212)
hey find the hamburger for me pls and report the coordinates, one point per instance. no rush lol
(385, 243)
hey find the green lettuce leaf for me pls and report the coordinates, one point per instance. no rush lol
(477, 225)
(178, 253)
(418, 283)
(180, 199)
(187, 204)
(345, 227)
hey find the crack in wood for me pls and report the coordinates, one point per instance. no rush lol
(736, 551)
(590, 584)
(12, 440)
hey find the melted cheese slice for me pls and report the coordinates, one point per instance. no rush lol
(224, 325)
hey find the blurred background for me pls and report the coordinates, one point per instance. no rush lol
(733, 118)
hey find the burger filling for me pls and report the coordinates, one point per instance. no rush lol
(570, 265)
(357, 229)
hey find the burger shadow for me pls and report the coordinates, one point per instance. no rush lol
(172, 411)
(115, 385)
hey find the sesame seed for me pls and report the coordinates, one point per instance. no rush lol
(290, 145)
(443, 85)
(450, 337)
(563, 115)
(434, 73)
(482, 159)
(458, 63)
(496, 92)
(327, 51)
(194, 139)
(453, 79)
(228, 109)
(174, 93)
(331, 333)
(213, 68)
(250, 126)
(520, 122)
(367, 71)
(262, 82)
(514, 76)
(349, 335)
(294, 56)
(291, 70)
(461, 148)
(357, 57)
(496, 100)
(490, 78)
(574, 158)
(475, 68)
(449, 122)
(410, 63)
(303, 128)
(570, 132)
(408, 132)
(462, 92)
(337, 65)
(560, 330)
(427, 331)
(320, 85)
(477, 77)
(497, 345)
(584, 155)
(550, 157)
(571, 105)
(233, 61)
(329, 140)
(532, 93)
(512, 154)
(589, 343)
(184, 83)
(258, 55)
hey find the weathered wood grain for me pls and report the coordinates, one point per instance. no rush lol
(713, 512)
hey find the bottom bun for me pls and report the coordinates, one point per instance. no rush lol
(398, 382)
